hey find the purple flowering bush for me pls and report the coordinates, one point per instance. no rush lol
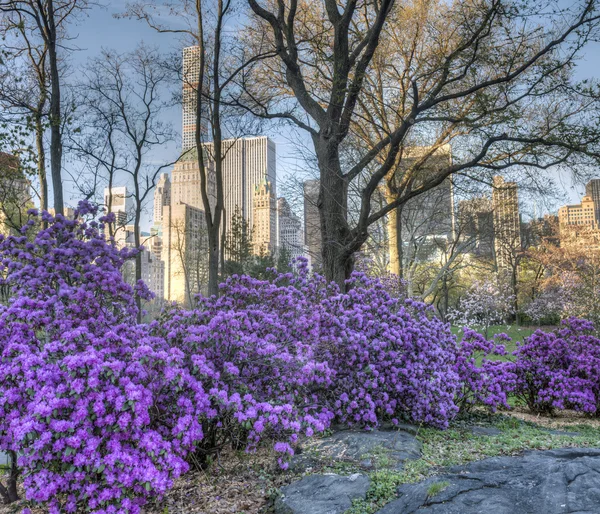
(378, 356)
(484, 380)
(100, 413)
(560, 369)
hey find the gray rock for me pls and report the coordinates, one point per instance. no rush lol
(565, 481)
(321, 494)
(364, 449)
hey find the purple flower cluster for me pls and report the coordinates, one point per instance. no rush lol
(560, 369)
(488, 382)
(376, 356)
(105, 413)
(101, 413)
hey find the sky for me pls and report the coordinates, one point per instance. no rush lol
(100, 29)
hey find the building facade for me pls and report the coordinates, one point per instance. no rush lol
(162, 197)
(289, 229)
(247, 164)
(475, 225)
(183, 252)
(264, 230)
(507, 222)
(312, 222)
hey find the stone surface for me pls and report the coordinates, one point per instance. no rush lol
(364, 449)
(565, 481)
(321, 494)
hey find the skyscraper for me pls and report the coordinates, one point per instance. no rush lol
(312, 222)
(162, 197)
(507, 222)
(592, 189)
(191, 69)
(290, 229)
(183, 252)
(264, 233)
(248, 162)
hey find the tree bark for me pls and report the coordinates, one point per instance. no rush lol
(55, 114)
(41, 164)
(338, 255)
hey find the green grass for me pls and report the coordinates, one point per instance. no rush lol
(458, 445)
(515, 332)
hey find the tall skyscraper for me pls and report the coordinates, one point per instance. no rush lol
(507, 222)
(191, 69)
(426, 220)
(248, 162)
(592, 189)
(162, 197)
(290, 229)
(312, 222)
(264, 233)
(183, 252)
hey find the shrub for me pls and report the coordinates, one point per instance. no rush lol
(560, 369)
(379, 356)
(483, 381)
(101, 414)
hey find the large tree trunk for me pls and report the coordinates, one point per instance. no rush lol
(337, 241)
(9, 493)
(395, 244)
(55, 116)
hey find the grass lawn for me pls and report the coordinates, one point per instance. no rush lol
(515, 332)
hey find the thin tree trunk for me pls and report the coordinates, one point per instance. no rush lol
(41, 164)
(55, 115)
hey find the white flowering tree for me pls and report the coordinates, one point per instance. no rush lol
(484, 304)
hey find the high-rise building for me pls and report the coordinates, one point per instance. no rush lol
(248, 162)
(507, 222)
(183, 252)
(191, 69)
(312, 222)
(162, 197)
(592, 189)
(117, 202)
(475, 225)
(290, 229)
(426, 221)
(264, 233)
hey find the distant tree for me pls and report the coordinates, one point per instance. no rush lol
(123, 101)
(284, 259)
(486, 303)
(238, 245)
